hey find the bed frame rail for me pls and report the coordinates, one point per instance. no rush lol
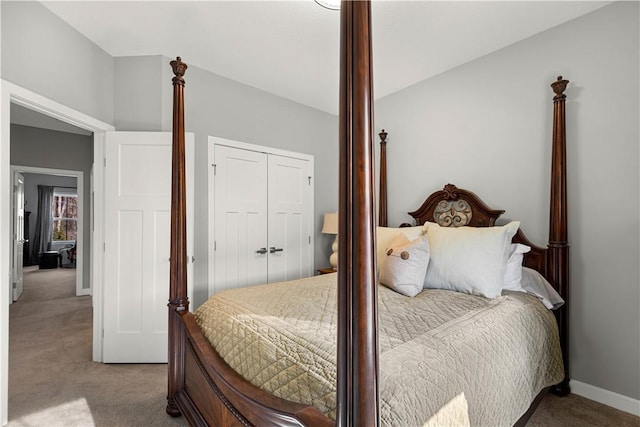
(237, 402)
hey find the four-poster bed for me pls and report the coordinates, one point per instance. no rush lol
(203, 386)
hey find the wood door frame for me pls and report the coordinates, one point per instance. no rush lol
(12, 93)
(212, 141)
(79, 176)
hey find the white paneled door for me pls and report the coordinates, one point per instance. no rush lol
(289, 218)
(18, 234)
(137, 240)
(241, 252)
(262, 217)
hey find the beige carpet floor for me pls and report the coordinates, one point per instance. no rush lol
(53, 382)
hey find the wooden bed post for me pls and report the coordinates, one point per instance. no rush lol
(382, 208)
(558, 247)
(357, 390)
(178, 300)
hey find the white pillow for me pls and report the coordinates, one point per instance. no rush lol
(513, 274)
(386, 235)
(469, 259)
(405, 265)
(534, 283)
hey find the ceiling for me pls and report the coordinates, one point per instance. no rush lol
(291, 48)
(20, 115)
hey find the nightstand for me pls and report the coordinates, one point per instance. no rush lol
(326, 270)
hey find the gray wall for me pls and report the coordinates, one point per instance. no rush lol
(216, 106)
(58, 150)
(486, 126)
(138, 93)
(31, 182)
(44, 54)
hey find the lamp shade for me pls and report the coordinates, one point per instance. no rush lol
(329, 4)
(330, 225)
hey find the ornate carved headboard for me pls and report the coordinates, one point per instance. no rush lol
(456, 207)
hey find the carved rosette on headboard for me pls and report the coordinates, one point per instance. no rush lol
(452, 213)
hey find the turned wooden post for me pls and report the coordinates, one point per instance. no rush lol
(382, 207)
(558, 247)
(357, 393)
(178, 300)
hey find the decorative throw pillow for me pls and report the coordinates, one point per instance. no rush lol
(386, 235)
(513, 274)
(405, 265)
(469, 259)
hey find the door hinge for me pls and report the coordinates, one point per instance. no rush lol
(105, 162)
(215, 168)
(15, 285)
(215, 245)
(309, 180)
(309, 239)
(104, 246)
(103, 333)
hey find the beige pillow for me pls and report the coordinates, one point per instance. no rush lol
(405, 265)
(386, 235)
(469, 259)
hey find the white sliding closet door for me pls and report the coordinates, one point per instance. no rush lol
(241, 250)
(262, 217)
(289, 218)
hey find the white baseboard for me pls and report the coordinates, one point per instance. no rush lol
(606, 397)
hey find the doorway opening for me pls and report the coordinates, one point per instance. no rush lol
(52, 225)
(12, 94)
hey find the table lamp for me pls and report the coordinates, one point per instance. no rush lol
(330, 226)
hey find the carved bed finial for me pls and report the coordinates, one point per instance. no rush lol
(558, 87)
(383, 137)
(382, 198)
(179, 69)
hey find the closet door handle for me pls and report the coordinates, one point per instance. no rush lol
(273, 250)
(261, 251)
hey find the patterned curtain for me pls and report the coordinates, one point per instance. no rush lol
(44, 222)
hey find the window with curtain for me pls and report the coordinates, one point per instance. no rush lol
(64, 213)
